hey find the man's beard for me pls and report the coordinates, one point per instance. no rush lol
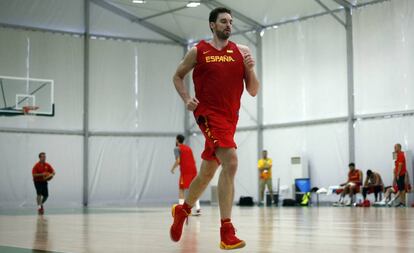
(221, 35)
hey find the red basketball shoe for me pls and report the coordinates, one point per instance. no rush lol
(228, 237)
(180, 215)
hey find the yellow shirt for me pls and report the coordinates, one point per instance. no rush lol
(265, 167)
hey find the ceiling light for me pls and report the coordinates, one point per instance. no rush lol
(192, 4)
(262, 33)
(138, 1)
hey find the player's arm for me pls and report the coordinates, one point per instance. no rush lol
(252, 84)
(185, 66)
(399, 168)
(51, 170)
(175, 165)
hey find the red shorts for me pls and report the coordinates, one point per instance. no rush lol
(185, 180)
(218, 132)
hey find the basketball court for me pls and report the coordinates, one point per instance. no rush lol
(323, 229)
(91, 121)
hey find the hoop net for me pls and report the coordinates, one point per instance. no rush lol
(27, 109)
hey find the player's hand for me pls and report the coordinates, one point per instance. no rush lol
(192, 104)
(248, 61)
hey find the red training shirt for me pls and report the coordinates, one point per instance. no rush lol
(400, 159)
(41, 168)
(218, 79)
(187, 162)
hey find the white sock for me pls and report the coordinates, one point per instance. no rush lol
(197, 205)
(180, 201)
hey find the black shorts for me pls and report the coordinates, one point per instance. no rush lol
(41, 188)
(401, 183)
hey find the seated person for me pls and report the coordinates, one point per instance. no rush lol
(373, 184)
(389, 190)
(351, 187)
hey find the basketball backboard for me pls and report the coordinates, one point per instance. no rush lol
(17, 93)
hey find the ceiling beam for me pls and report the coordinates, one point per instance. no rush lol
(253, 23)
(164, 12)
(330, 12)
(135, 19)
(345, 4)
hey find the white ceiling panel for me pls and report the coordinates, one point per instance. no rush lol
(104, 22)
(47, 14)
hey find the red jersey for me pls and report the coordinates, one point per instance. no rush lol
(187, 162)
(218, 79)
(400, 159)
(41, 168)
(355, 176)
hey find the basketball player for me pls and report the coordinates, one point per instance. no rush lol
(221, 68)
(351, 187)
(373, 184)
(42, 172)
(185, 159)
(400, 172)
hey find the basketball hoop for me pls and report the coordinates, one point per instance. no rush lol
(27, 109)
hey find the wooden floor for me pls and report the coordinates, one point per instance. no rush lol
(324, 229)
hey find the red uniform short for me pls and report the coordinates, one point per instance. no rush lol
(185, 180)
(218, 132)
(219, 83)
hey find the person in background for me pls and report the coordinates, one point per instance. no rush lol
(351, 187)
(265, 176)
(42, 172)
(373, 184)
(184, 159)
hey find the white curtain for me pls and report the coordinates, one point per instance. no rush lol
(19, 153)
(126, 170)
(325, 147)
(384, 57)
(304, 71)
(132, 89)
(375, 140)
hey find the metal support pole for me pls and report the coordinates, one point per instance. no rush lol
(350, 77)
(86, 105)
(259, 69)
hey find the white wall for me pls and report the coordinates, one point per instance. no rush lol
(305, 79)
(304, 71)
(130, 91)
(19, 153)
(384, 57)
(46, 56)
(384, 60)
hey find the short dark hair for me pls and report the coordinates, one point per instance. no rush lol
(41, 153)
(215, 12)
(180, 138)
(369, 173)
(351, 165)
